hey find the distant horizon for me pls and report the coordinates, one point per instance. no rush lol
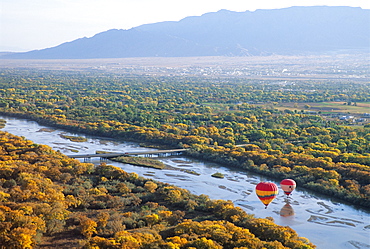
(43, 24)
(286, 31)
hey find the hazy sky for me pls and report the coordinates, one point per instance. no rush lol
(36, 24)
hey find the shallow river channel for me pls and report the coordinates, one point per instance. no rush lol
(326, 222)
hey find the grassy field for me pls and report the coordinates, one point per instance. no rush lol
(339, 107)
(327, 107)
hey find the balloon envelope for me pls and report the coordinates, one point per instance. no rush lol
(288, 185)
(266, 192)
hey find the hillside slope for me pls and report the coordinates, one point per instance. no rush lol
(291, 30)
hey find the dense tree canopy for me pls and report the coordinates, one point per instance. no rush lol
(50, 200)
(211, 115)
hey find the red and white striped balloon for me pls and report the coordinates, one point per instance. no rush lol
(288, 185)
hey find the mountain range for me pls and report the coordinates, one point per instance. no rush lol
(293, 30)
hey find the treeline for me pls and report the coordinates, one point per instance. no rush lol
(50, 200)
(211, 117)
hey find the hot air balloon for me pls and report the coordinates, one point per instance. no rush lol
(288, 185)
(266, 192)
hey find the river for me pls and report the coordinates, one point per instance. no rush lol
(326, 222)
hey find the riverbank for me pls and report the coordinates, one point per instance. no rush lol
(325, 178)
(2, 123)
(326, 221)
(109, 205)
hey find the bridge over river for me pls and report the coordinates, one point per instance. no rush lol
(159, 153)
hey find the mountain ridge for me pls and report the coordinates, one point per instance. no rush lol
(225, 33)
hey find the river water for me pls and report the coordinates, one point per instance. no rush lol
(326, 222)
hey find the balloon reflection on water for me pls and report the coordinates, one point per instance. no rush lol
(287, 210)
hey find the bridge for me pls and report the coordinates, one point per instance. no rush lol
(159, 153)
